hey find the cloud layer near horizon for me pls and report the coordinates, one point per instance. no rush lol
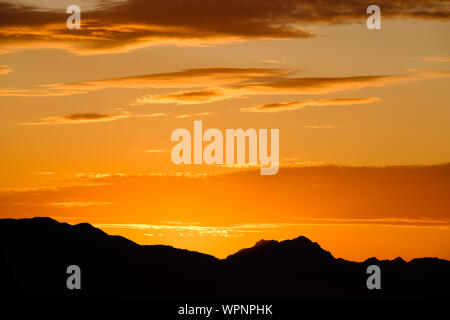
(401, 195)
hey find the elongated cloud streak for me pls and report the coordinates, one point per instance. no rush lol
(438, 59)
(189, 78)
(155, 150)
(189, 97)
(237, 230)
(294, 105)
(190, 115)
(229, 82)
(79, 118)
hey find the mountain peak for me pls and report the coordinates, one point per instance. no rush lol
(399, 260)
(298, 248)
(302, 240)
(372, 260)
(299, 241)
(264, 243)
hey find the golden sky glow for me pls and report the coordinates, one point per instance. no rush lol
(364, 117)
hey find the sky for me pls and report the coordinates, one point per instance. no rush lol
(86, 117)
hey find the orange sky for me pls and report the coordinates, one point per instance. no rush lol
(86, 117)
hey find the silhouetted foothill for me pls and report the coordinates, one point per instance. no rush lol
(35, 254)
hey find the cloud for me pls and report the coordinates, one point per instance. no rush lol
(389, 221)
(79, 118)
(238, 230)
(188, 97)
(4, 69)
(132, 24)
(155, 150)
(437, 59)
(279, 81)
(72, 204)
(120, 177)
(320, 127)
(186, 229)
(393, 195)
(320, 85)
(294, 105)
(270, 61)
(189, 78)
(323, 85)
(43, 173)
(215, 84)
(200, 114)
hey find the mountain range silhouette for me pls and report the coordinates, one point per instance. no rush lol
(35, 253)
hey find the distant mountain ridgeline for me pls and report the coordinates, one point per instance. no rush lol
(35, 254)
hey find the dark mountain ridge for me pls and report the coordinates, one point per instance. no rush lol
(35, 253)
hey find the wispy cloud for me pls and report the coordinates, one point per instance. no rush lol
(199, 114)
(216, 84)
(71, 204)
(270, 61)
(193, 229)
(189, 97)
(43, 173)
(102, 178)
(240, 229)
(4, 69)
(438, 59)
(283, 83)
(80, 118)
(189, 78)
(155, 150)
(389, 221)
(324, 85)
(294, 105)
(320, 127)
